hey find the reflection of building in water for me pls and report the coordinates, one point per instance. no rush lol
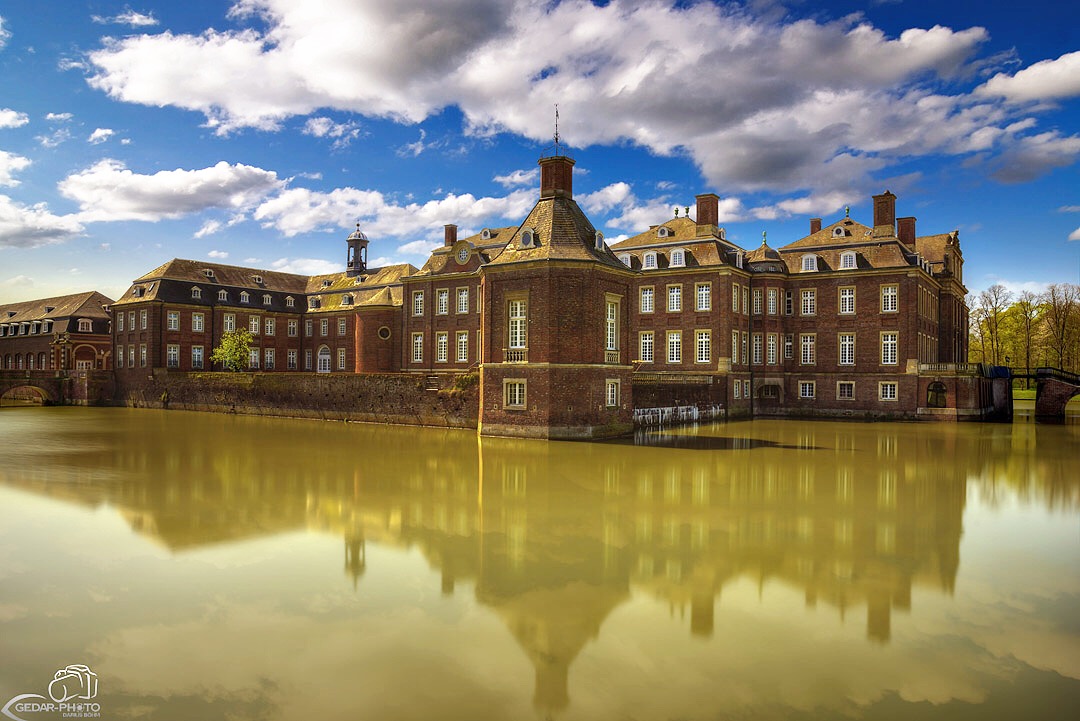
(554, 536)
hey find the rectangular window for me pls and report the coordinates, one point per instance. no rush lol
(703, 292)
(131, 320)
(737, 389)
(611, 326)
(119, 356)
(674, 298)
(417, 347)
(772, 301)
(806, 389)
(789, 302)
(887, 391)
(270, 327)
(442, 346)
(645, 343)
(517, 328)
(254, 324)
(324, 326)
(807, 355)
(757, 350)
(269, 356)
(119, 322)
(307, 360)
(758, 300)
(462, 301)
(770, 349)
(290, 359)
(847, 349)
(172, 356)
(463, 346)
(809, 302)
(646, 300)
(612, 393)
(745, 355)
(230, 322)
(746, 388)
(142, 355)
(513, 393)
(197, 357)
(845, 390)
(889, 298)
(442, 301)
(292, 328)
(131, 356)
(889, 343)
(735, 297)
(674, 346)
(734, 347)
(341, 358)
(418, 302)
(142, 319)
(308, 328)
(746, 301)
(172, 320)
(789, 346)
(702, 346)
(253, 358)
(847, 301)
(342, 326)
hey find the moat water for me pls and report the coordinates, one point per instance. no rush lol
(221, 567)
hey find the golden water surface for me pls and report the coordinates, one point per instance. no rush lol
(220, 567)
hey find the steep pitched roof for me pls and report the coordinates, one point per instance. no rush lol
(563, 232)
(88, 304)
(230, 275)
(850, 232)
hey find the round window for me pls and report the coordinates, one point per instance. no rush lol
(463, 254)
(384, 332)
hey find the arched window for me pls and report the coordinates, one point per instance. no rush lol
(625, 258)
(599, 238)
(324, 359)
(649, 261)
(809, 263)
(245, 296)
(223, 295)
(936, 395)
(847, 259)
(678, 258)
(528, 238)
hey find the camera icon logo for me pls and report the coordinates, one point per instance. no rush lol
(75, 681)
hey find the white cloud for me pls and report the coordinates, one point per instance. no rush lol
(1045, 80)
(55, 138)
(518, 178)
(105, 247)
(12, 118)
(208, 228)
(128, 17)
(58, 117)
(1069, 209)
(606, 198)
(100, 135)
(31, 226)
(18, 281)
(109, 191)
(1075, 235)
(305, 266)
(1030, 156)
(218, 254)
(9, 165)
(414, 149)
(342, 133)
(5, 34)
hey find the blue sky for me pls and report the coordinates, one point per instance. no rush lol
(258, 132)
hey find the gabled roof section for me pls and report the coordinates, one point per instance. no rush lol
(194, 271)
(562, 232)
(677, 230)
(843, 232)
(88, 304)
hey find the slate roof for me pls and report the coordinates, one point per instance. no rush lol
(88, 304)
(563, 232)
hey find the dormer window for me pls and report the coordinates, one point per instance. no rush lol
(290, 302)
(625, 259)
(245, 296)
(85, 326)
(258, 279)
(209, 273)
(723, 234)
(326, 283)
(346, 300)
(838, 232)
(809, 263)
(313, 303)
(649, 261)
(678, 258)
(739, 259)
(528, 238)
(847, 260)
(663, 232)
(485, 234)
(599, 238)
(46, 327)
(223, 295)
(196, 292)
(267, 300)
(138, 291)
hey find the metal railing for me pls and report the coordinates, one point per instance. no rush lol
(960, 369)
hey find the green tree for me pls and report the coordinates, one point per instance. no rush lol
(234, 351)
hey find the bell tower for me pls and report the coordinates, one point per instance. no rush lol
(357, 260)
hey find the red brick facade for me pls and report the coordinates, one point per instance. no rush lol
(64, 333)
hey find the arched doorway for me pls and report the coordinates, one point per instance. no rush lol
(324, 359)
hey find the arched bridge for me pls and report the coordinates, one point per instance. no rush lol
(1053, 390)
(61, 387)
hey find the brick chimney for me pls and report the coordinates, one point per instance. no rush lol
(905, 231)
(449, 234)
(815, 225)
(708, 209)
(884, 215)
(557, 177)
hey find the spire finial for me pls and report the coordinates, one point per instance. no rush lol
(556, 128)
(764, 237)
(847, 211)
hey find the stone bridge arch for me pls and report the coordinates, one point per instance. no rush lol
(44, 382)
(1053, 392)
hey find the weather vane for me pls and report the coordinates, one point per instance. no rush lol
(556, 128)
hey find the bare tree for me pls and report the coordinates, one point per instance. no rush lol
(1061, 304)
(1025, 314)
(993, 302)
